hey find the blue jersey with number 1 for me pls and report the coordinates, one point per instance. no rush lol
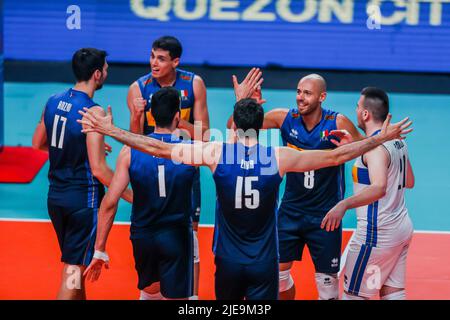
(161, 191)
(72, 183)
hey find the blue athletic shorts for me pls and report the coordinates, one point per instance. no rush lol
(236, 281)
(325, 247)
(166, 256)
(76, 231)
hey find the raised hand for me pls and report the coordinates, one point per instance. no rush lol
(94, 122)
(257, 95)
(395, 131)
(249, 85)
(139, 106)
(344, 136)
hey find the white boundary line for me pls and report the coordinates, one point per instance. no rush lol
(201, 225)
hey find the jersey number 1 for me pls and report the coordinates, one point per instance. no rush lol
(55, 129)
(402, 173)
(251, 195)
(161, 181)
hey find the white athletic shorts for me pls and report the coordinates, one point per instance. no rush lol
(369, 268)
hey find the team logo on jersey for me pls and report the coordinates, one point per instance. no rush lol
(148, 81)
(187, 78)
(183, 95)
(294, 133)
(334, 262)
(324, 135)
(330, 117)
(295, 114)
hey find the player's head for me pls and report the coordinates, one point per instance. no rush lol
(373, 105)
(165, 57)
(165, 107)
(248, 117)
(89, 64)
(311, 92)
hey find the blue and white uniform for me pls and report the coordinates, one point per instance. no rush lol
(384, 230)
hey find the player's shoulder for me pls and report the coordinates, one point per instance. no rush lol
(144, 80)
(292, 113)
(331, 115)
(186, 75)
(59, 95)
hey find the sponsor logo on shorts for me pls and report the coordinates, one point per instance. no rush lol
(334, 262)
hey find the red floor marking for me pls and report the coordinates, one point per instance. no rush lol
(20, 164)
(30, 267)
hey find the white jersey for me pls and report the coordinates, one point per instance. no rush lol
(384, 223)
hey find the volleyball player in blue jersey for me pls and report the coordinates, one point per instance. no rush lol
(78, 169)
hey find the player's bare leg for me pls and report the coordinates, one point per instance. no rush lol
(287, 285)
(72, 283)
(196, 262)
(391, 293)
(152, 292)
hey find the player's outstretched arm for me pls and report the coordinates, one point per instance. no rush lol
(107, 212)
(196, 154)
(40, 135)
(290, 160)
(377, 161)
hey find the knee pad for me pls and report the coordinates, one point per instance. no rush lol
(346, 296)
(399, 295)
(149, 296)
(327, 286)
(196, 249)
(286, 282)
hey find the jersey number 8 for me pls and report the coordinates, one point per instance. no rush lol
(309, 179)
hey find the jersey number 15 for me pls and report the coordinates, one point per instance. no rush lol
(251, 196)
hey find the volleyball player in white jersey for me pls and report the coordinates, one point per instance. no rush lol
(376, 260)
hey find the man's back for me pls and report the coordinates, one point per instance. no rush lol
(70, 176)
(161, 188)
(247, 182)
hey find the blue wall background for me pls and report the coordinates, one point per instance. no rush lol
(300, 33)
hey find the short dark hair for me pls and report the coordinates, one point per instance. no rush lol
(86, 60)
(169, 43)
(248, 114)
(164, 106)
(376, 101)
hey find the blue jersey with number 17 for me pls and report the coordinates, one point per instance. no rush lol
(314, 192)
(72, 183)
(247, 182)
